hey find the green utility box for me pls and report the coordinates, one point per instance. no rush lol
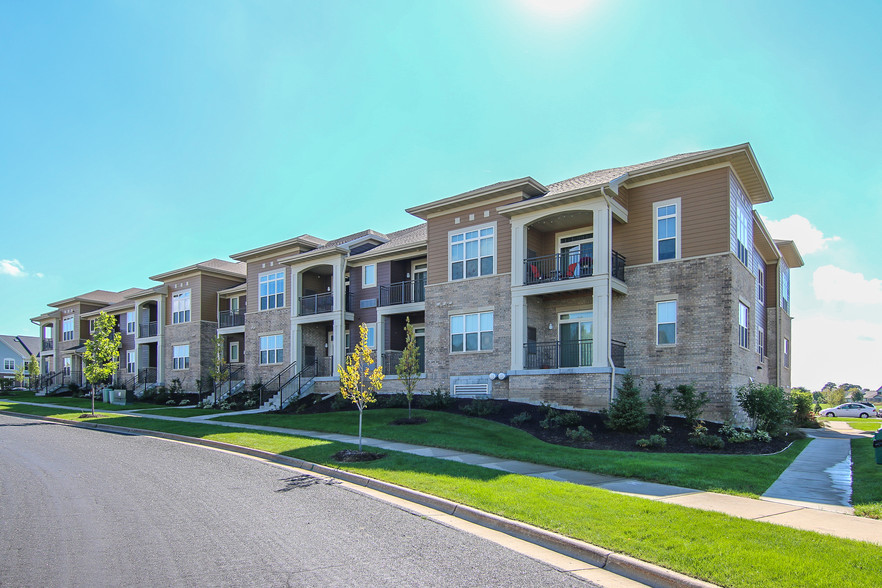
(877, 445)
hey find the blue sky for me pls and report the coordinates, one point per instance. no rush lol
(139, 137)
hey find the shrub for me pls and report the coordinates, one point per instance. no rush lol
(340, 403)
(699, 429)
(709, 441)
(802, 409)
(663, 430)
(653, 441)
(184, 402)
(520, 418)
(689, 403)
(658, 402)
(581, 434)
(559, 418)
(398, 400)
(437, 399)
(170, 402)
(762, 436)
(480, 408)
(250, 403)
(741, 437)
(627, 411)
(767, 406)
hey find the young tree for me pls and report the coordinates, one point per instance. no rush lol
(408, 368)
(34, 370)
(689, 402)
(627, 412)
(19, 374)
(220, 369)
(101, 357)
(359, 380)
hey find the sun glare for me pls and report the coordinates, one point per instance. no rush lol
(557, 8)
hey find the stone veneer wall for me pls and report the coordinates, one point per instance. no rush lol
(580, 391)
(262, 323)
(199, 336)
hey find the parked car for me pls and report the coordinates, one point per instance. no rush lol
(850, 409)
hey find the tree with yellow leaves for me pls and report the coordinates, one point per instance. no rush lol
(359, 379)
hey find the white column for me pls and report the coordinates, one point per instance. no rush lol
(380, 335)
(160, 340)
(518, 331)
(338, 287)
(602, 242)
(297, 345)
(518, 251)
(601, 326)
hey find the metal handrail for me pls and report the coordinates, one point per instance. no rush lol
(617, 266)
(296, 383)
(402, 293)
(558, 354)
(48, 344)
(557, 267)
(273, 385)
(235, 376)
(150, 329)
(229, 318)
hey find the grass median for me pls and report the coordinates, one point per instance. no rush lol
(866, 491)
(83, 403)
(746, 475)
(712, 546)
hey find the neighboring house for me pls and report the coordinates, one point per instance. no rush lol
(518, 290)
(16, 351)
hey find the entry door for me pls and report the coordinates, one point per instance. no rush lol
(577, 255)
(576, 338)
(419, 282)
(419, 332)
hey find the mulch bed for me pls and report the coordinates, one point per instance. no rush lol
(604, 438)
(354, 455)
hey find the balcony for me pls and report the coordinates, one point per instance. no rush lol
(230, 318)
(150, 329)
(403, 293)
(48, 345)
(391, 359)
(565, 266)
(558, 354)
(320, 303)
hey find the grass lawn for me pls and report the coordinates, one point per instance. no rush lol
(75, 402)
(866, 479)
(712, 546)
(861, 424)
(181, 412)
(734, 474)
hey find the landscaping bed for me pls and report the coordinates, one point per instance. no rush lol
(529, 418)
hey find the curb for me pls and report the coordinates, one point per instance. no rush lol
(623, 565)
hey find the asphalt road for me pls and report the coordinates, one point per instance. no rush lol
(87, 508)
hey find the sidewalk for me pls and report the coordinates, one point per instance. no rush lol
(831, 519)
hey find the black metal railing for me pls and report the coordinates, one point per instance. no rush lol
(150, 329)
(48, 344)
(556, 267)
(146, 376)
(316, 304)
(403, 293)
(72, 377)
(392, 357)
(226, 388)
(617, 351)
(293, 388)
(617, 266)
(49, 380)
(230, 318)
(558, 354)
(272, 386)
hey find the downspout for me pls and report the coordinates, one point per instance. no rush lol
(609, 359)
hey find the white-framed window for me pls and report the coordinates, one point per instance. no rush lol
(666, 229)
(786, 352)
(67, 328)
(272, 349)
(66, 366)
(761, 342)
(761, 285)
(743, 321)
(9, 364)
(130, 322)
(666, 322)
(785, 289)
(369, 276)
(234, 352)
(130, 362)
(91, 326)
(471, 332)
(180, 307)
(743, 236)
(472, 253)
(180, 357)
(371, 335)
(271, 289)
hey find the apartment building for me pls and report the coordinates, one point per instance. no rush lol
(517, 290)
(15, 352)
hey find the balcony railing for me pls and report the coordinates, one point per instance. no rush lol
(320, 303)
(150, 329)
(48, 344)
(146, 376)
(403, 293)
(230, 318)
(391, 359)
(558, 354)
(566, 266)
(617, 351)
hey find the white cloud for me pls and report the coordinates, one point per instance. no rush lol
(38, 275)
(827, 349)
(12, 267)
(834, 284)
(800, 230)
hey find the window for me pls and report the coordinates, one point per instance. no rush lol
(65, 366)
(8, 364)
(181, 357)
(130, 362)
(471, 332)
(371, 335)
(234, 352)
(472, 253)
(272, 349)
(667, 229)
(761, 286)
(786, 352)
(130, 322)
(743, 317)
(743, 235)
(272, 290)
(785, 289)
(91, 325)
(666, 321)
(180, 307)
(761, 343)
(369, 276)
(67, 329)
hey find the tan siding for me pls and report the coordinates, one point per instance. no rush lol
(704, 222)
(622, 197)
(210, 287)
(438, 227)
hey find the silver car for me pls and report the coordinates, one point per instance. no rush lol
(850, 409)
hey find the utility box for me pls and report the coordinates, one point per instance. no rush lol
(877, 446)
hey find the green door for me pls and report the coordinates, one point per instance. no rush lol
(576, 339)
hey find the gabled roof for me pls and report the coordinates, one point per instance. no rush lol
(23, 345)
(790, 253)
(411, 237)
(93, 297)
(304, 241)
(234, 269)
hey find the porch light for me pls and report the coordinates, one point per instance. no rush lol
(550, 326)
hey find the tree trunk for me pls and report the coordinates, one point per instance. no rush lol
(408, 409)
(360, 412)
(93, 399)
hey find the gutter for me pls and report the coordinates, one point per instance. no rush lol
(609, 359)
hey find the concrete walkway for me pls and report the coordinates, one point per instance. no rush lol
(832, 519)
